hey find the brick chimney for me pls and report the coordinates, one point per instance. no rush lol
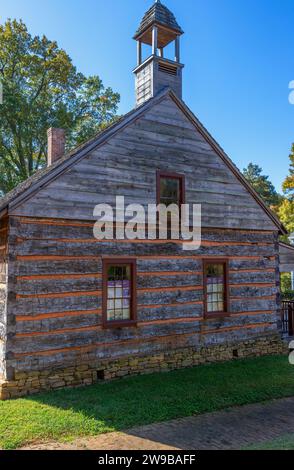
(56, 144)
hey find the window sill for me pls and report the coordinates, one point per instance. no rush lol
(119, 324)
(214, 316)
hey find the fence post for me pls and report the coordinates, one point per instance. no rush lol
(291, 318)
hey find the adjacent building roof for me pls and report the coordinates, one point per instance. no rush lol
(33, 184)
(158, 14)
(286, 257)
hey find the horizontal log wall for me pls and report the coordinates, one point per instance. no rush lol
(55, 293)
(3, 290)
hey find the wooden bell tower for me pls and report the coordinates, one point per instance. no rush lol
(158, 29)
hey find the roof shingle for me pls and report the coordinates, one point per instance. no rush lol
(159, 14)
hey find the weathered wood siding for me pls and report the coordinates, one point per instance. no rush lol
(3, 289)
(162, 139)
(56, 299)
(152, 77)
(144, 86)
(286, 258)
(55, 268)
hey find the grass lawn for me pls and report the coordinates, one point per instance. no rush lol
(118, 405)
(282, 443)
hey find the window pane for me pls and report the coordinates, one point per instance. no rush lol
(170, 189)
(119, 293)
(126, 289)
(126, 314)
(215, 287)
(111, 289)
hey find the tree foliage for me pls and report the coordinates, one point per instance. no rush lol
(42, 89)
(288, 185)
(262, 185)
(286, 209)
(286, 214)
(286, 286)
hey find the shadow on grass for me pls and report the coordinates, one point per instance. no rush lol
(124, 404)
(158, 397)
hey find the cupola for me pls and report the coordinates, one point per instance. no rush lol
(158, 29)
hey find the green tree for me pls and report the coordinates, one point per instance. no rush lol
(286, 214)
(42, 89)
(288, 185)
(286, 283)
(286, 209)
(262, 185)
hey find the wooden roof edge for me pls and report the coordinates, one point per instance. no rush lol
(286, 245)
(3, 213)
(139, 34)
(219, 150)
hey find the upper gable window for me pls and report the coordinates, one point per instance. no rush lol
(170, 189)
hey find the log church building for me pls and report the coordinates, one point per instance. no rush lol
(74, 309)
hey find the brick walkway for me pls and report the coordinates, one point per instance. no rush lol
(235, 428)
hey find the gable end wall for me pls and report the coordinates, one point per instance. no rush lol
(54, 316)
(164, 139)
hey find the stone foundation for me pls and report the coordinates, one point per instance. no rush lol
(2, 361)
(27, 383)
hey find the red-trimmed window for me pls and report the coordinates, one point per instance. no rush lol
(170, 189)
(216, 292)
(119, 292)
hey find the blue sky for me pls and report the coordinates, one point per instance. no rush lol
(238, 55)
